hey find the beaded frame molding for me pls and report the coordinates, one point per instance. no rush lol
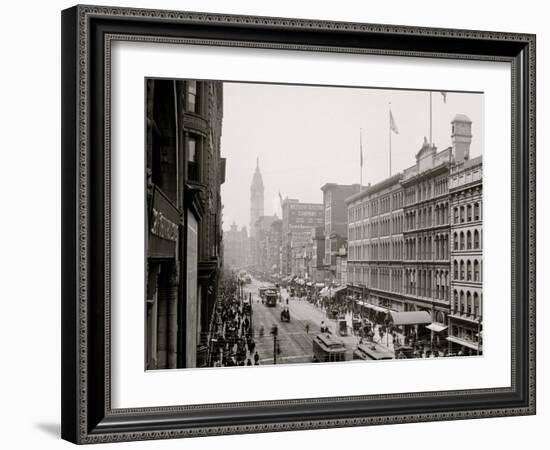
(87, 35)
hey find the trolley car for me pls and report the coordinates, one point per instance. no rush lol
(328, 348)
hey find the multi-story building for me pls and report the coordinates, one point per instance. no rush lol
(400, 238)
(335, 222)
(184, 175)
(375, 244)
(298, 220)
(235, 244)
(274, 243)
(260, 243)
(426, 236)
(342, 266)
(317, 254)
(465, 318)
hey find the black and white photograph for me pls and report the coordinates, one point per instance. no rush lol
(311, 224)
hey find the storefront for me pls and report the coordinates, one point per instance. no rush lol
(163, 283)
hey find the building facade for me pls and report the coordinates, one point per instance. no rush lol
(298, 221)
(235, 245)
(335, 222)
(184, 258)
(375, 244)
(406, 253)
(260, 243)
(465, 318)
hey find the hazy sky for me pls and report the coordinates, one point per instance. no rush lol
(306, 136)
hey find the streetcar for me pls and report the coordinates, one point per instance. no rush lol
(270, 297)
(372, 351)
(328, 348)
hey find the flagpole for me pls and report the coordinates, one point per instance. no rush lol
(389, 131)
(431, 142)
(361, 165)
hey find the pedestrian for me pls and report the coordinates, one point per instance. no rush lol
(256, 358)
(307, 328)
(248, 362)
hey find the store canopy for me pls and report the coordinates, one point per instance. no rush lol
(371, 306)
(463, 342)
(437, 327)
(319, 285)
(410, 318)
(324, 291)
(339, 289)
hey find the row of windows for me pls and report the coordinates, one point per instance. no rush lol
(427, 217)
(466, 303)
(468, 270)
(382, 278)
(390, 202)
(467, 240)
(423, 191)
(376, 251)
(420, 283)
(427, 283)
(427, 248)
(467, 213)
(376, 228)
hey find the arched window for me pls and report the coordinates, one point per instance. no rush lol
(476, 211)
(469, 304)
(476, 239)
(469, 270)
(476, 270)
(477, 311)
(469, 213)
(461, 270)
(455, 298)
(462, 214)
(469, 240)
(455, 220)
(462, 240)
(456, 270)
(455, 240)
(462, 306)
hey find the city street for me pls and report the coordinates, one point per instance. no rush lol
(295, 342)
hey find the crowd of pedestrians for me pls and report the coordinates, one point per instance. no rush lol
(233, 341)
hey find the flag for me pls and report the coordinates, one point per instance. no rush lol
(444, 95)
(393, 126)
(361, 148)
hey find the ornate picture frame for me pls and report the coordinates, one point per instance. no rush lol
(87, 35)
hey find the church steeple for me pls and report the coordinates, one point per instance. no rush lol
(256, 197)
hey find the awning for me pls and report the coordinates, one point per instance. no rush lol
(465, 343)
(410, 317)
(324, 291)
(339, 289)
(309, 283)
(319, 285)
(437, 327)
(371, 306)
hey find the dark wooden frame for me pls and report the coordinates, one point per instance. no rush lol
(87, 32)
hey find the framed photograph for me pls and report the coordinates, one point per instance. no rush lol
(281, 224)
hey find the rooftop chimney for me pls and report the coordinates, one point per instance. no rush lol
(461, 137)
